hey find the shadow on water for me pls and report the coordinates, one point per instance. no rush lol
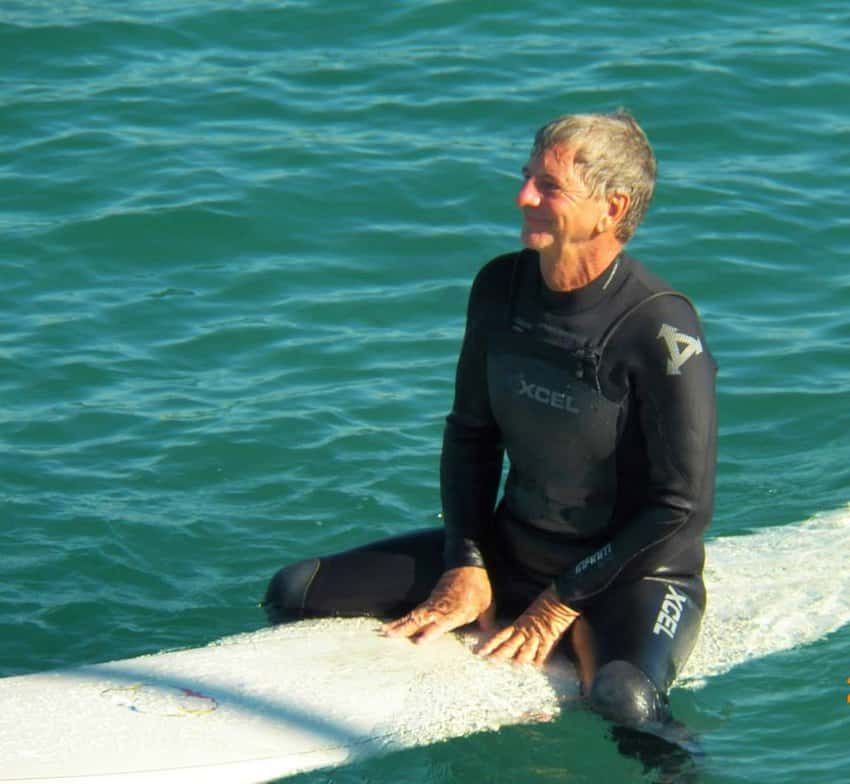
(669, 753)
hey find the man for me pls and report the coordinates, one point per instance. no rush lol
(594, 377)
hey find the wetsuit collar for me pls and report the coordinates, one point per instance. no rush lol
(587, 296)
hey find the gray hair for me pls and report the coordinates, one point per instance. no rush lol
(611, 154)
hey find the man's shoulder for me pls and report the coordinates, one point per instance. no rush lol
(648, 294)
(501, 267)
(493, 281)
(654, 315)
(644, 282)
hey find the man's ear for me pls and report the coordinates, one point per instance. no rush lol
(618, 205)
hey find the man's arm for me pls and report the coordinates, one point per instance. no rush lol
(472, 455)
(470, 471)
(673, 387)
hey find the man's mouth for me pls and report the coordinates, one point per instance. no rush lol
(536, 222)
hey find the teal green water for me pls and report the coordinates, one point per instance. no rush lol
(236, 240)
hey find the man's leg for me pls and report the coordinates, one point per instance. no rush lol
(629, 649)
(632, 643)
(386, 578)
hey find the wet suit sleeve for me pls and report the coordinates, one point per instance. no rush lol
(471, 461)
(671, 377)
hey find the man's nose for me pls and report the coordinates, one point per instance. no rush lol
(528, 195)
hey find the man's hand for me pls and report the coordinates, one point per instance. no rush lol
(532, 637)
(461, 596)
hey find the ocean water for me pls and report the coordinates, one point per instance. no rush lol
(236, 240)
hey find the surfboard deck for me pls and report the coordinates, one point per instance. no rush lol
(261, 705)
(315, 694)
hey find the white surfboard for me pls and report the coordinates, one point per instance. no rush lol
(314, 694)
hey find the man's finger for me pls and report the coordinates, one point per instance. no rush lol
(527, 651)
(508, 649)
(495, 641)
(408, 625)
(487, 619)
(436, 628)
(542, 655)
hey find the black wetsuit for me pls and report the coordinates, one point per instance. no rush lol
(603, 400)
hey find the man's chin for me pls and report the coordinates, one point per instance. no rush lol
(536, 240)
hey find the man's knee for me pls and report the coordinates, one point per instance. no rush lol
(286, 595)
(625, 695)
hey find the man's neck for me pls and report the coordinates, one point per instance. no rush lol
(576, 270)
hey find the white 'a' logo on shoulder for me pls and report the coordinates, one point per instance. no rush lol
(680, 347)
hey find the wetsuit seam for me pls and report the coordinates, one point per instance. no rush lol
(307, 587)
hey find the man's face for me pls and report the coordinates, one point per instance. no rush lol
(559, 212)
